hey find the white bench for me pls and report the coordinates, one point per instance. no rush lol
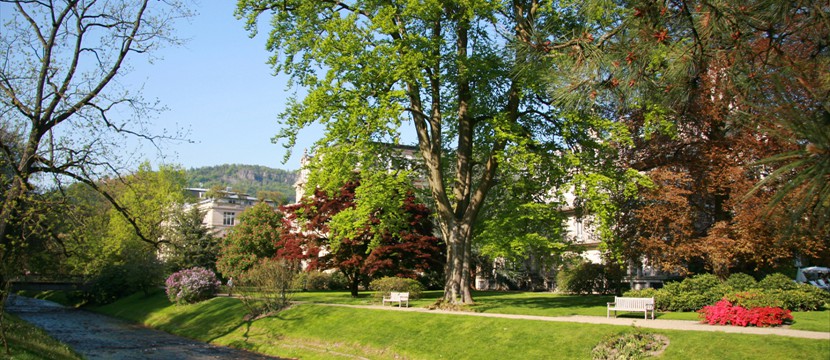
(631, 304)
(397, 297)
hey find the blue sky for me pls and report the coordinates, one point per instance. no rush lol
(219, 86)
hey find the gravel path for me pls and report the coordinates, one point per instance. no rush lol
(97, 336)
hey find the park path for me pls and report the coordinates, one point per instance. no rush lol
(684, 325)
(97, 336)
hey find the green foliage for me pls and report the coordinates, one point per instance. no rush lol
(589, 278)
(754, 299)
(638, 344)
(250, 179)
(522, 230)
(741, 282)
(192, 244)
(115, 281)
(152, 198)
(470, 76)
(385, 285)
(123, 259)
(803, 298)
(377, 190)
(320, 280)
(267, 286)
(255, 237)
(777, 281)
(776, 290)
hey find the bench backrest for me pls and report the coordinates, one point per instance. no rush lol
(399, 296)
(629, 302)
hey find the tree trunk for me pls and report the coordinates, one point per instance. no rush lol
(354, 284)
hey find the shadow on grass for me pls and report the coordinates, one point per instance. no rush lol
(543, 301)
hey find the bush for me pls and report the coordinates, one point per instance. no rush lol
(725, 313)
(754, 299)
(267, 286)
(662, 299)
(192, 285)
(385, 285)
(634, 345)
(802, 298)
(589, 278)
(116, 281)
(775, 290)
(741, 282)
(319, 280)
(642, 293)
(700, 284)
(777, 282)
(338, 281)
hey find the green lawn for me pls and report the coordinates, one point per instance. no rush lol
(29, 342)
(311, 331)
(547, 304)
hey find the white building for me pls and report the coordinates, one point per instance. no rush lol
(222, 208)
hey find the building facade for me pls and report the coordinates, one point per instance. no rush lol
(221, 208)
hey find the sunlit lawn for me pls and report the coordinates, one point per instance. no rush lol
(322, 332)
(544, 304)
(29, 342)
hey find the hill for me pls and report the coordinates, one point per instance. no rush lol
(250, 179)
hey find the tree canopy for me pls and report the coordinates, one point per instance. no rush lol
(453, 74)
(727, 103)
(256, 236)
(63, 110)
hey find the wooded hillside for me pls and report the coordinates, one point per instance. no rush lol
(250, 179)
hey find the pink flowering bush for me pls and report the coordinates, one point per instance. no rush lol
(724, 313)
(192, 285)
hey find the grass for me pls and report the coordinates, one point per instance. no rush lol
(312, 331)
(29, 342)
(547, 304)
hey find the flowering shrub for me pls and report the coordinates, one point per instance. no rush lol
(724, 313)
(192, 285)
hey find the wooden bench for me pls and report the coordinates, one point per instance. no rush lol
(631, 304)
(397, 297)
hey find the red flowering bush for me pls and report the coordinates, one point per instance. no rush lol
(724, 313)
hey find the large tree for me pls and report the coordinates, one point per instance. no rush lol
(449, 70)
(63, 111)
(711, 90)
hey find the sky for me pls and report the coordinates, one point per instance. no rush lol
(219, 86)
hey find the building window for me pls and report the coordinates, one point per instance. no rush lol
(228, 218)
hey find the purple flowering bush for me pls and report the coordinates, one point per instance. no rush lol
(192, 285)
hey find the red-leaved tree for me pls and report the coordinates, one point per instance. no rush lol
(409, 250)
